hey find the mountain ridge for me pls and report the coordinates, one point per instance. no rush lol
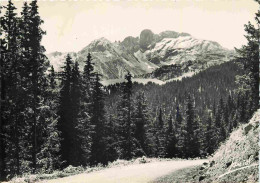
(148, 53)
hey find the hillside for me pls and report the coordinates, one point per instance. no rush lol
(144, 56)
(207, 86)
(237, 159)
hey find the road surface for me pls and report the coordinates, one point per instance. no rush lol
(137, 173)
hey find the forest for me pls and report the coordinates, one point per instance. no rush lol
(50, 119)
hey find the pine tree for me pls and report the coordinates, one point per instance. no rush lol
(141, 120)
(50, 147)
(229, 113)
(97, 120)
(178, 132)
(75, 95)
(11, 88)
(220, 128)
(249, 57)
(242, 108)
(111, 138)
(160, 120)
(64, 111)
(191, 141)
(160, 136)
(171, 150)
(36, 65)
(52, 79)
(210, 136)
(125, 130)
(3, 51)
(84, 126)
(88, 78)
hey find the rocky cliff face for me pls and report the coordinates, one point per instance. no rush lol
(147, 54)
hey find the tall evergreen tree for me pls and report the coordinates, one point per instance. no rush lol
(49, 154)
(98, 147)
(160, 136)
(84, 126)
(191, 142)
(178, 131)
(3, 51)
(36, 67)
(125, 120)
(171, 149)
(210, 136)
(141, 120)
(75, 95)
(112, 147)
(11, 88)
(64, 111)
(249, 57)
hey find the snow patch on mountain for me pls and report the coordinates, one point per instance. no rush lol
(185, 75)
(143, 55)
(137, 80)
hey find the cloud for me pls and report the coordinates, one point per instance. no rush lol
(71, 25)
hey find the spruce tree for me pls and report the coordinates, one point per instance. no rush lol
(178, 131)
(84, 126)
(125, 130)
(3, 51)
(141, 120)
(160, 135)
(11, 92)
(75, 108)
(210, 136)
(97, 120)
(64, 111)
(171, 150)
(36, 65)
(49, 154)
(111, 138)
(249, 58)
(191, 141)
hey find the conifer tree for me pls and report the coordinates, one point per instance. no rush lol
(219, 122)
(97, 120)
(64, 111)
(249, 57)
(178, 131)
(3, 51)
(88, 78)
(52, 79)
(191, 143)
(160, 136)
(11, 88)
(171, 150)
(84, 126)
(125, 120)
(210, 136)
(141, 120)
(36, 65)
(111, 138)
(75, 95)
(49, 154)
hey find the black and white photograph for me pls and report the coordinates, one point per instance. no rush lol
(129, 91)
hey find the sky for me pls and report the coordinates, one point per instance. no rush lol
(73, 24)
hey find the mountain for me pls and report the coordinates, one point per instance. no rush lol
(163, 56)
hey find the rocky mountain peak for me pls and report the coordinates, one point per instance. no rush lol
(146, 38)
(148, 53)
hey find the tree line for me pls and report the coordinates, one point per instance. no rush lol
(50, 119)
